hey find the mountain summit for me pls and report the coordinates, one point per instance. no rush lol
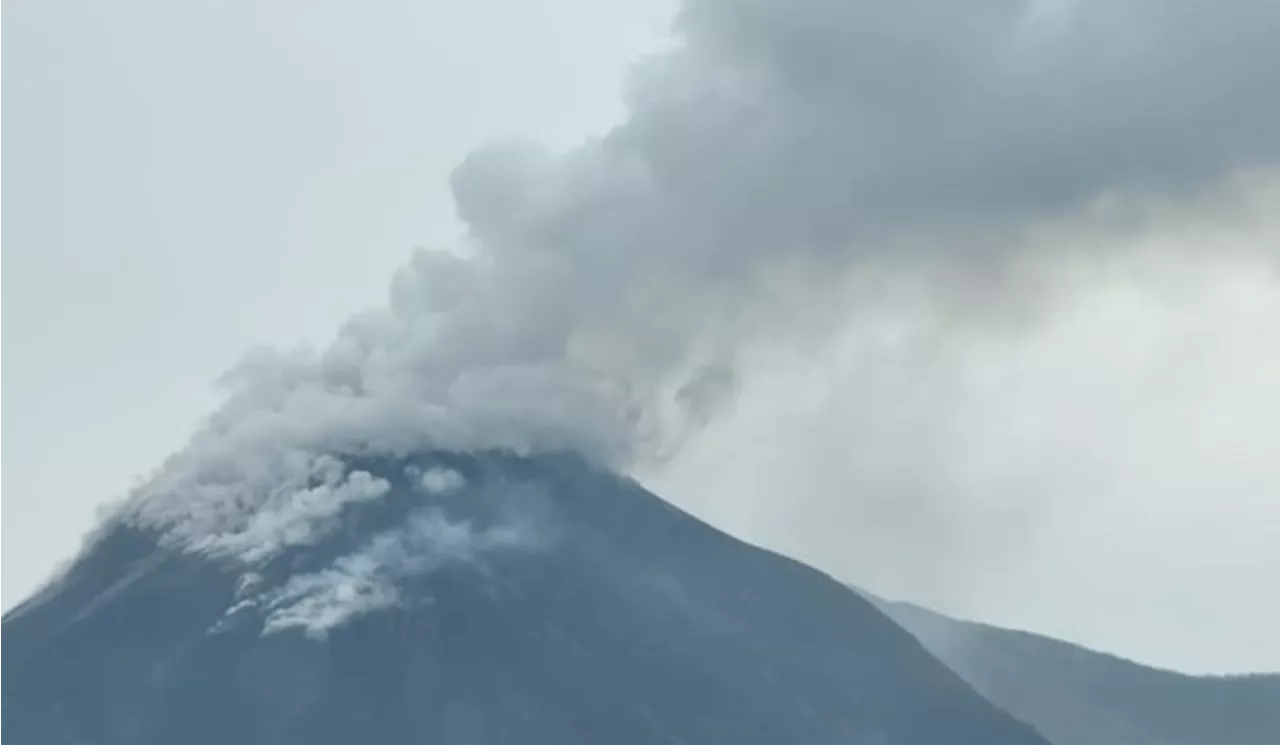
(469, 599)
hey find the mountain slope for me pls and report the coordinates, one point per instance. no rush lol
(477, 599)
(1077, 696)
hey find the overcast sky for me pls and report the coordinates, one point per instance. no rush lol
(1089, 451)
(188, 181)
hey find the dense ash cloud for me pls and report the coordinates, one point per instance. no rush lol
(604, 296)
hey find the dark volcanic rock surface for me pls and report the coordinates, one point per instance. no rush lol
(627, 621)
(1076, 696)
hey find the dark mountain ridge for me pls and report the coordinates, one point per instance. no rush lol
(1076, 696)
(530, 600)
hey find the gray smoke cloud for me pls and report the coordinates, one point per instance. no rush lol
(775, 159)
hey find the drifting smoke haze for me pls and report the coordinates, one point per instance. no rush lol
(1091, 453)
(866, 246)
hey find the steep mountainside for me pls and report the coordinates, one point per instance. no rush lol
(476, 599)
(1076, 696)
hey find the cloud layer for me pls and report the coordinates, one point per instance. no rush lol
(1101, 469)
(776, 160)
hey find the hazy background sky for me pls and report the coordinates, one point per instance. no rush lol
(189, 180)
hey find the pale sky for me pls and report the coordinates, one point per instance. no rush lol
(190, 180)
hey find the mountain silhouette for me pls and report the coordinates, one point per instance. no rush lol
(483, 598)
(1076, 696)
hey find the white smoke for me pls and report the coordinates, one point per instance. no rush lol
(776, 161)
(441, 480)
(371, 578)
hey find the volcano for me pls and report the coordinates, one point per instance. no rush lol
(482, 598)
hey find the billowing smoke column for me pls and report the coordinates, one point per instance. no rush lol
(603, 295)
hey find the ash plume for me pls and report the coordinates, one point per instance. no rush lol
(603, 297)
